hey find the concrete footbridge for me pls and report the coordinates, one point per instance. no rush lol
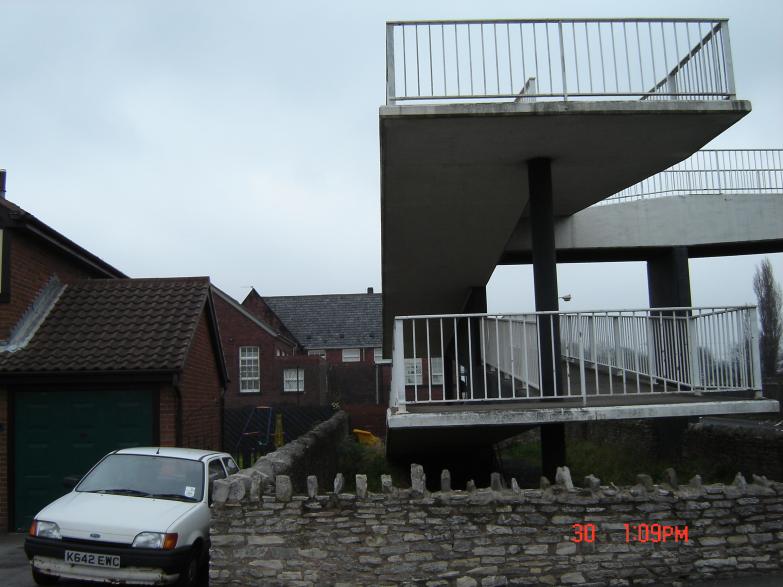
(530, 141)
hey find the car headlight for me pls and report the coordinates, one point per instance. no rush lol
(44, 529)
(155, 540)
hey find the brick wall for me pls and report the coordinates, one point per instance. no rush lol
(258, 307)
(201, 390)
(496, 536)
(3, 460)
(32, 263)
(167, 420)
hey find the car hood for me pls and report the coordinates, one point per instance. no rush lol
(116, 518)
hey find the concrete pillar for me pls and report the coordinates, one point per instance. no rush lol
(669, 285)
(475, 304)
(668, 279)
(542, 229)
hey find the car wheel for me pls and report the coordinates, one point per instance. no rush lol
(190, 573)
(44, 579)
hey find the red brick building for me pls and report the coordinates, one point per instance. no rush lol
(344, 330)
(91, 361)
(265, 363)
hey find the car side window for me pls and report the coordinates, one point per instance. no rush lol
(231, 466)
(216, 470)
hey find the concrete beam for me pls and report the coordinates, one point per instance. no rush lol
(706, 224)
(530, 417)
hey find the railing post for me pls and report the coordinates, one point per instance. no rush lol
(390, 75)
(727, 61)
(693, 348)
(619, 363)
(398, 365)
(651, 356)
(755, 350)
(562, 60)
(582, 375)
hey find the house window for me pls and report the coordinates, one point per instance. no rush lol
(412, 371)
(317, 353)
(351, 355)
(436, 370)
(249, 373)
(377, 355)
(293, 379)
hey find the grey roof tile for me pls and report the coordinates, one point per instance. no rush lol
(332, 320)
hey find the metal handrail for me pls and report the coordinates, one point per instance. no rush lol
(452, 61)
(712, 172)
(485, 357)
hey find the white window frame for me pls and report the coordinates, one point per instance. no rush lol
(377, 355)
(352, 355)
(249, 369)
(317, 353)
(413, 372)
(293, 380)
(436, 370)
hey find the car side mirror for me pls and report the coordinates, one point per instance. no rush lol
(71, 481)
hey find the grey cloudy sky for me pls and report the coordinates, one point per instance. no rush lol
(239, 139)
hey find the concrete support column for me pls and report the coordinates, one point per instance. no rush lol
(476, 304)
(469, 352)
(668, 279)
(669, 285)
(542, 230)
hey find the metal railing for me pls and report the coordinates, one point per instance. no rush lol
(712, 171)
(469, 358)
(528, 60)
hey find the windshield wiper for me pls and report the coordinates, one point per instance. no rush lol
(120, 491)
(172, 496)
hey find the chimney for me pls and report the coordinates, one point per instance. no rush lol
(369, 290)
(2, 184)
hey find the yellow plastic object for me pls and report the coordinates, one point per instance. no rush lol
(279, 436)
(365, 437)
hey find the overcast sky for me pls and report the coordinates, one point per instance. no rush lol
(240, 140)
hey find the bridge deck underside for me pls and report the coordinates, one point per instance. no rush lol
(454, 424)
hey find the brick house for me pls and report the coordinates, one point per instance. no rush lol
(344, 330)
(91, 361)
(264, 360)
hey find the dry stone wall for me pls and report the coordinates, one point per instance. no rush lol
(497, 536)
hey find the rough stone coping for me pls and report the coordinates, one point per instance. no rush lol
(260, 479)
(235, 490)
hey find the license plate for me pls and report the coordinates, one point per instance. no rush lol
(92, 559)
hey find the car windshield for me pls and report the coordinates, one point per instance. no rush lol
(146, 476)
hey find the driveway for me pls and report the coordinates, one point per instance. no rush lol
(14, 568)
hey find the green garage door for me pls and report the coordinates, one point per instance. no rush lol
(64, 433)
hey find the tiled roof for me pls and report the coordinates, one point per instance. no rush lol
(111, 325)
(331, 321)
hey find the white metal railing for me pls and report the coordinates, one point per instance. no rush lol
(528, 60)
(492, 357)
(712, 171)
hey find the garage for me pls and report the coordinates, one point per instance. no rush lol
(60, 433)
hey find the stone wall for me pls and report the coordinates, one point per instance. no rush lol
(313, 453)
(496, 536)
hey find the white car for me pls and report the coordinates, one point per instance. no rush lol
(141, 516)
